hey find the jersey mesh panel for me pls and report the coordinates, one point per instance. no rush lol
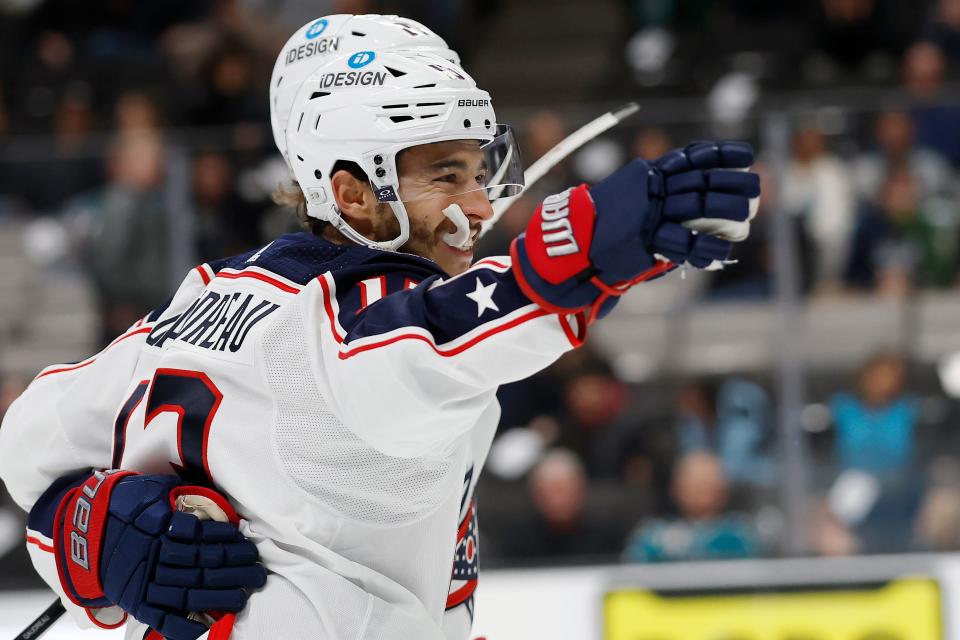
(327, 460)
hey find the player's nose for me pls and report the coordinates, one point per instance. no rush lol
(476, 204)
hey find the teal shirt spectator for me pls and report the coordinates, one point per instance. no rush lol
(881, 441)
(725, 537)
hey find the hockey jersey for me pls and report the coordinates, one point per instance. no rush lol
(342, 398)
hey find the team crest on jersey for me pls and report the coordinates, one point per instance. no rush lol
(466, 562)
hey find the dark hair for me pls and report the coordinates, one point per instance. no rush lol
(289, 194)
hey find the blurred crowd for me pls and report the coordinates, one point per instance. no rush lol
(140, 131)
(689, 470)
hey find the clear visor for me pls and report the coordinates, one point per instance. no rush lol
(460, 168)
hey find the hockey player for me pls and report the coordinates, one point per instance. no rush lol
(337, 388)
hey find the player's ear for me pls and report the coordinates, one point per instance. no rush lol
(354, 198)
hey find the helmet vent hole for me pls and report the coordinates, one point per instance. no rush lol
(396, 73)
(426, 86)
(395, 106)
(429, 115)
(429, 104)
(358, 34)
(299, 123)
(486, 123)
(279, 80)
(316, 124)
(300, 158)
(319, 94)
(399, 119)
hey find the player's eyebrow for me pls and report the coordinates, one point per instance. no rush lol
(454, 163)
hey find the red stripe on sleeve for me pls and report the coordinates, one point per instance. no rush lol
(40, 544)
(446, 353)
(203, 274)
(259, 276)
(87, 363)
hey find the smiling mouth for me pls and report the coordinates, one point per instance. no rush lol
(472, 240)
(470, 244)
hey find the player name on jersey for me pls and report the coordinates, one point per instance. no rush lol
(214, 321)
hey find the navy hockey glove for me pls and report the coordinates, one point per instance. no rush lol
(119, 540)
(586, 246)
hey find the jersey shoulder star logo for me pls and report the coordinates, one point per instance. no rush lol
(483, 296)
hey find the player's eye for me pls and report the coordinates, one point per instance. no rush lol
(481, 178)
(450, 177)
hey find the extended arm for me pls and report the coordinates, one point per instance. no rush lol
(416, 367)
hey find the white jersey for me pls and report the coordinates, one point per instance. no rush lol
(342, 398)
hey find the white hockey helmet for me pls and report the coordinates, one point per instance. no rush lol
(367, 107)
(324, 38)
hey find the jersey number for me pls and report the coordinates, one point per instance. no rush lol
(195, 399)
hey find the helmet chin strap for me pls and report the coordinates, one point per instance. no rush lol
(333, 217)
(456, 215)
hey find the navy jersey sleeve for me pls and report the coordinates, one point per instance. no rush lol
(434, 349)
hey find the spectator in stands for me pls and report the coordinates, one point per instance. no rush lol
(943, 28)
(136, 112)
(937, 527)
(233, 96)
(650, 143)
(937, 123)
(57, 168)
(129, 251)
(828, 536)
(875, 428)
(854, 32)
(703, 529)
(878, 488)
(578, 403)
(902, 241)
(224, 223)
(894, 138)
(541, 132)
(598, 422)
(39, 77)
(817, 193)
(558, 525)
(733, 425)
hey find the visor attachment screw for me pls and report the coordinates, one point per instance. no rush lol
(486, 123)
(466, 124)
(378, 159)
(317, 174)
(381, 172)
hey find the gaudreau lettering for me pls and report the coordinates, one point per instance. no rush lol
(326, 45)
(353, 78)
(214, 321)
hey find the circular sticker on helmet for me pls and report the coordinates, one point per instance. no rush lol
(361, 59)
(317, 28)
